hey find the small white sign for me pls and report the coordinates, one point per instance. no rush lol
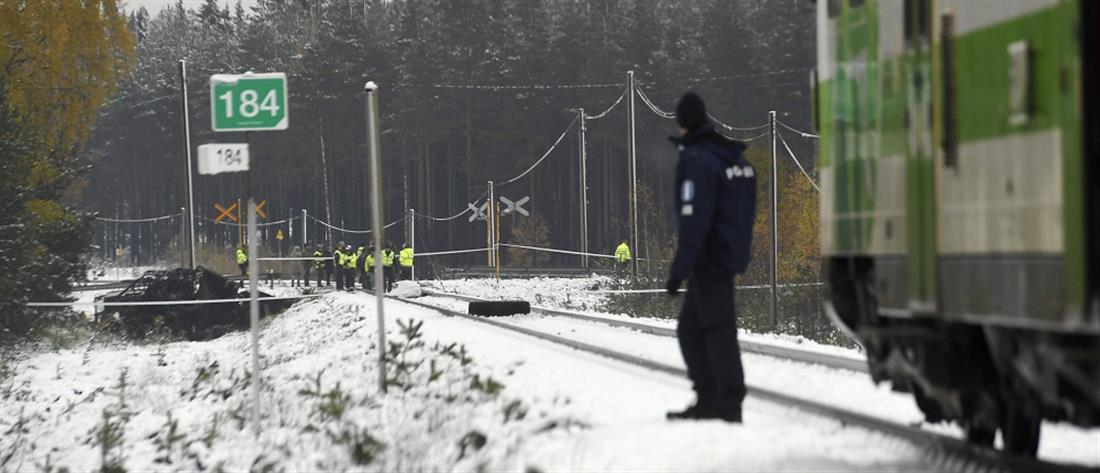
(217, 158)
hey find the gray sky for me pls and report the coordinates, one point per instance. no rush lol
(155, 6)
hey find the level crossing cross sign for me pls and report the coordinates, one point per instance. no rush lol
(248, 102)
(516, 206)
(225, 212)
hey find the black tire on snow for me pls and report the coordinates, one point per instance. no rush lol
(499, 308)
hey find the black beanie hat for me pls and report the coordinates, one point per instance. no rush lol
(690, 111)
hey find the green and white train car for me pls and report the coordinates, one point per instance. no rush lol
(960, 206)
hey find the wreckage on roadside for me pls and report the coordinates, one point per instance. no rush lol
(220, 306)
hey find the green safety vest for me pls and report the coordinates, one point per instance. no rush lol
(242, 258)
(406, 257)
(622, 253)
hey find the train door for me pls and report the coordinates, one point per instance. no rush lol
(919, 157)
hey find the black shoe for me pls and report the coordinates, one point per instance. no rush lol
(728, 415)
(694, 412)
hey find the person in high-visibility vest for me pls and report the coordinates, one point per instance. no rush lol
(406, 260)
(350, 267)
(360, 265)
(368, 267)
(323, 267)
(387, 265)
(339, 260)
(242, 260)
(622, 257)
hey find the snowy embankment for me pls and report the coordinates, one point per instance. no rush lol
(464, 397)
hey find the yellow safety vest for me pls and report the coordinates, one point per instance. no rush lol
(242, 258)
(406, 257)
(622, 253)
(387, 258)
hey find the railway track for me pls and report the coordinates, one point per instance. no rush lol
(817, 358)
(952, 453)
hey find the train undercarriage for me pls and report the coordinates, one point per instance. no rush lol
(988, 378)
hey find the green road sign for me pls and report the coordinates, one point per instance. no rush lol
(248, 102)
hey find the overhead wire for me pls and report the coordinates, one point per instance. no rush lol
(544, 155)
(233, 224)
(345, 230)
(138, 220)
(800, 132)
(609, 109)
(795, 158)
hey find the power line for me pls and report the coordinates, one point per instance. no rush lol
(795, 158)
(544, 155)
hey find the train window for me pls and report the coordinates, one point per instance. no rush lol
(950, 93)
(1019, 82)
(916, 17)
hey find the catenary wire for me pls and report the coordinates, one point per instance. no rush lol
(795, 158)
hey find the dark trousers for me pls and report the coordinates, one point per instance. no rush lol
(349, 278)
(387, 273)
(322, 274)
(244, 268)
(339, 278)
(406, 273)
(707, 332)
(305, 274)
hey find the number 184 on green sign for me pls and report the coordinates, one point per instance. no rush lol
(248, 102)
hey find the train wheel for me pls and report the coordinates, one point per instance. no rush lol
(1021, 432)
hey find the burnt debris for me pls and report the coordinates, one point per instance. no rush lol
(190, 321)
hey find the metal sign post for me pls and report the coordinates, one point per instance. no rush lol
(374, 145)
(412, 243)
(247, 102)
(584, 191)
(254, 313)
(775, 220)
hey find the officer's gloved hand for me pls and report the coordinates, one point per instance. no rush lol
(673, 286)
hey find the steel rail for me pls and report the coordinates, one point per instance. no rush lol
(951, 453)
(794, 354)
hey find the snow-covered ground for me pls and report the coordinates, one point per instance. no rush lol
(185, 405)
(468, 397)
(855, 391)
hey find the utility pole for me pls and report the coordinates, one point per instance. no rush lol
(183, 234)
(189, 212)
(633, 179)
(374, 145)
(775, 218)
(412, 242)
(584, 192)
(491, 217)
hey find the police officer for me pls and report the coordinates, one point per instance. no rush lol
(405, 258)
(297, 268)
(242, 260)
(339, 260)
(716, 204)
(368, 268)
(323, 266)
(387, 265)
(351, 267)
(622, 258)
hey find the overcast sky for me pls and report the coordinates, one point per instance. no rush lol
(154, 6)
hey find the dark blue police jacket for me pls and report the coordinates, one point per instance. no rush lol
(715, 202)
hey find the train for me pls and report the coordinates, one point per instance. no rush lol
(959, 166)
